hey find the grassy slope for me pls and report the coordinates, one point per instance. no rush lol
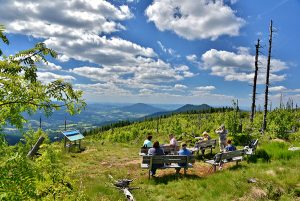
(279, 178)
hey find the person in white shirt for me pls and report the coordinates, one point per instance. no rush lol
(173, 141)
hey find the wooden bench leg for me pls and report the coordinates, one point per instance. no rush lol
(237, 162)
(149, 174)
(215, 167)
(210, 150)
(185, 171)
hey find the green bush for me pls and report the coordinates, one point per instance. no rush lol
(241, 139)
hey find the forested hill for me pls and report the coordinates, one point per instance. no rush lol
(141, 108)
(189, 124)
(186, 109)
(189, 107)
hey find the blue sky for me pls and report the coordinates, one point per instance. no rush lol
(161, 51)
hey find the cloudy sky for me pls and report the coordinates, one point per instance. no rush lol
(161, 51)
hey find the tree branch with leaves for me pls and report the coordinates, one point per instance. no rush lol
(21, 91)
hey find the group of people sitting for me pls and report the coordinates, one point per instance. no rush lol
(148, 142)
(156, 149)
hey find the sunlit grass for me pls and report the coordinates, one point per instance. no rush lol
(277, 179)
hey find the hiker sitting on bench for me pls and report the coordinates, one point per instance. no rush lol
(147, 142)
(173, 145)
(229, 146)
(156, 150)
(206, 136)
(183, 152)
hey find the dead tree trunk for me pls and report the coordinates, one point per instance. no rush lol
(36, 147)
(257, 46)
(267, 79)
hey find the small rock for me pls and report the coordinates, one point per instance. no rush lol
(252, 180)
(294, 148)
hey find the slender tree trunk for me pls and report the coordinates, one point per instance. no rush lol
(257, 46)
(267, 79)
(281, 101)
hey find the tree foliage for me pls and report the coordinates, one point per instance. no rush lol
(21, 91)
(3, 37)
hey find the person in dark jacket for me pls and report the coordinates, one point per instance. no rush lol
(155, 150)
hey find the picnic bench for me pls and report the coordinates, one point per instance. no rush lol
(203, 145)
(226, 157)
(167, 161)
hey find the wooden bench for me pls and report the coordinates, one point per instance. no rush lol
(203, 145)
(170, 150)
(167, 161)
(144, 151)
(226, 157)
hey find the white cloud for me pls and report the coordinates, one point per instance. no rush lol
(283, 89)
(144, 71)
(233, 1)
(78, 30)
(191, 58)
(240, 66)
(47, 77)
(180, 87)
(166, 50)
(62, 17)
(205, 88)
(146, 92)
(107, 89)
(202, 19)
(277, 88)
(101, 50)
(63, 58)
(48, 66)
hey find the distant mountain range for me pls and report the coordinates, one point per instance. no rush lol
(183, 109)
(189, 107)
(96, 115)
(141, 108)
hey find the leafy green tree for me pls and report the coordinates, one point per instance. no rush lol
(21, 91)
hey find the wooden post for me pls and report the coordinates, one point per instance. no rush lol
(65, 123)
(36, 147)
(267, 79)
(65, 141)
(257, 46)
